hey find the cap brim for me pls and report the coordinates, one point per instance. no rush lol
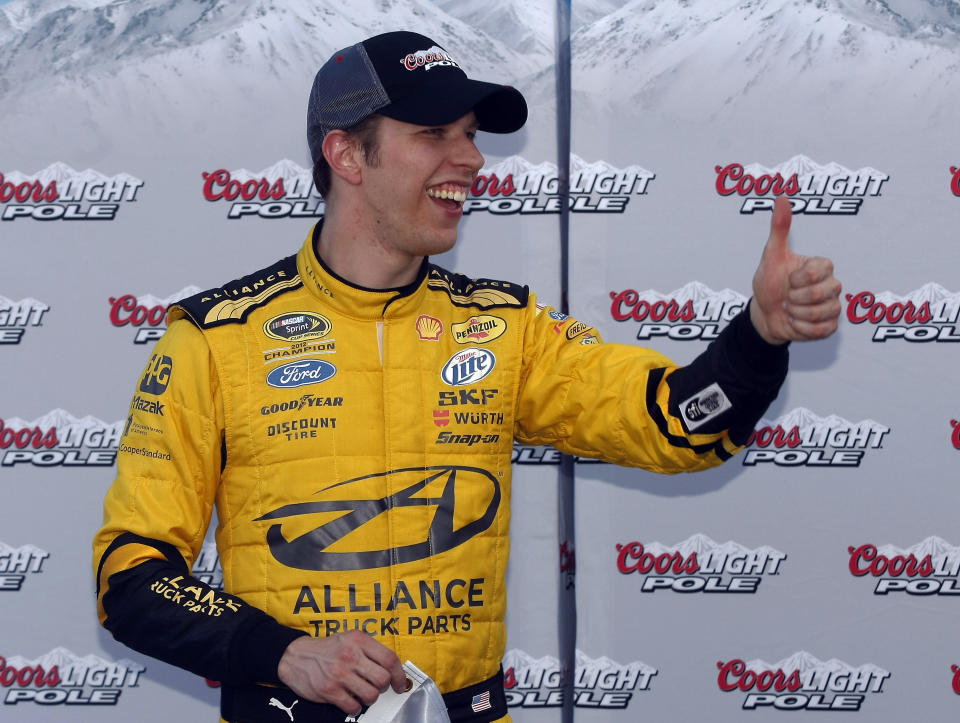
(499, 108)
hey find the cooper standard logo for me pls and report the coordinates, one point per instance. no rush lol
(353, 538)
(61, 193)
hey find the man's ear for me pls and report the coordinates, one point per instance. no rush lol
(343, 154)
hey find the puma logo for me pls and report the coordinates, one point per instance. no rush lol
(277, 704)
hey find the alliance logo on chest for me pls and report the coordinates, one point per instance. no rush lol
(468, 367)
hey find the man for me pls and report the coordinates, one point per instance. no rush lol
(301, 401)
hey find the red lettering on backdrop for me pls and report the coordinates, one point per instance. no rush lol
(632, 558)
(864, 306)
(627, 304)
(745, 679)
(867, 560)
(220, 184)
(778, 436)
(732, 178)
(493, 185)
(956, 678)
(27, 190)
(28, 675)
(955, 181)
(955, 436)
(21, 438)
(125, 310)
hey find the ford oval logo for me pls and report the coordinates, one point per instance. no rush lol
(468, 367)
(301, 373)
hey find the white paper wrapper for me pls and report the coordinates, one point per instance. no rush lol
(421, 704)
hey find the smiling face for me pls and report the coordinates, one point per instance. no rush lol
(412, 193)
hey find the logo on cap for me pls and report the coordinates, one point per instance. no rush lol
(428, 59)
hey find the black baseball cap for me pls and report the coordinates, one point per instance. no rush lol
(408, 77)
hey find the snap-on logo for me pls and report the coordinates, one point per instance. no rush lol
(350, 540)
(301, 373)
(468, 367)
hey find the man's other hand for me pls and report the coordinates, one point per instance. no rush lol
(346, 670)
(795, 298)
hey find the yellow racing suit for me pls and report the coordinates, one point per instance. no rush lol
(356, 445)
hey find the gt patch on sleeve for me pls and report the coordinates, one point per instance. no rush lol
(704, 406)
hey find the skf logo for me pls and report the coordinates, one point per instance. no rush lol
(698, 564)
(517, 186)
(59, 439)
(147, 314)
(62, 678)
(206, 567)
(429, 328)
(284, 190)
(692, 312)
(479, 329)
(17, 316)
(602, 683)
(810, 187)
(928, 314)
(18, 562)
(800, 683)
(356, 535)
(61, 193)
(157, 376)
(931, 567)
(802, 439)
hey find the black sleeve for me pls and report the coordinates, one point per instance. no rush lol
(159, 609)
(731, 383)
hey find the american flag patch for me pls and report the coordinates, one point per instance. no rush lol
(480, 702)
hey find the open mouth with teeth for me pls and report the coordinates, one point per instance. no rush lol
(451, 195)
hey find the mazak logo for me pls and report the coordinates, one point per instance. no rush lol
(931, 567)
(357, 545)
(59, 439)
(517, 186)
(145, 313)
(602, 683)
(206, 567)
(60, 193)
(802, 439)
(811, 188)
(284, 190)
(698, 564)
(692, 312)
(17, 316)
(801, 682)
(928, 314)
(62, 678)
(18, 562)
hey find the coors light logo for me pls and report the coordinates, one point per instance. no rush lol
(62, 678)
(801, 682)
(928, 314)
(601, 683)
(17, 316)
(698, 564)
(516, 186)
(692, 312)
(59, 439)
(145, 313)
(284, 190)
(802, 439)
(18, 562)
(811, 188)
(58, 192)
(931, 567)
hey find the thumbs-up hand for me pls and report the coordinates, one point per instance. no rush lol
(795, 298)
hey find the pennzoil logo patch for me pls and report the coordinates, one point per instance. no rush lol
(479, 329)
(297, 326)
